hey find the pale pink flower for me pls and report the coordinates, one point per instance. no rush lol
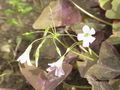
(57, 66)
(86, 36)
(25, 57)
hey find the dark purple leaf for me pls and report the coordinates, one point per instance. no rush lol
(106, 69)
(31, 73)
(42, 80)
(62, 13)
(109, 56)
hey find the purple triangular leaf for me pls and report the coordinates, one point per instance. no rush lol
(59, 12)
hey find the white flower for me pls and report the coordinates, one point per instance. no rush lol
(25, 57)
(57, 66)
(86, 36)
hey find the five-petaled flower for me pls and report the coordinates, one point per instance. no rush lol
(57, 66)
(86, 36)
(25, 57)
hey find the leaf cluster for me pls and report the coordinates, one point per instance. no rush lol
(18, 8)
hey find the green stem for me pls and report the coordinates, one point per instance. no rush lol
(46, 37)
(34, 32)
(83, 87)
(16, 48)
(77, 53)
(37, 53)
(66, 30)
(89, 14)
(4, 74)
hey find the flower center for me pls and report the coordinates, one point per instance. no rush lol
(86, 34)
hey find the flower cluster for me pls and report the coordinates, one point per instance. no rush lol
(86, 37)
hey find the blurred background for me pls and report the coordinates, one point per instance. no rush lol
(16, 18)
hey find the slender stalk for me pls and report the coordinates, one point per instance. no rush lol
(89, 14)
(16, 48)
(37, 53)
(77, 53)
(83, 87)
(66, 28)
(53, 23)
(4, 74)
(34, 32)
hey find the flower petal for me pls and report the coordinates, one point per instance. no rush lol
(50, 69)
(28, 62)
(25, 57)
(86, 29)
(57, 66)
(80, 37)
(92, 31)
(91, 39)
(85, 43)
(21, 59)
(59, 72)
(52, 64)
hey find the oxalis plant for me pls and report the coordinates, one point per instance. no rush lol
(64, 47)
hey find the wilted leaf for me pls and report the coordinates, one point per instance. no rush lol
(58, 13)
